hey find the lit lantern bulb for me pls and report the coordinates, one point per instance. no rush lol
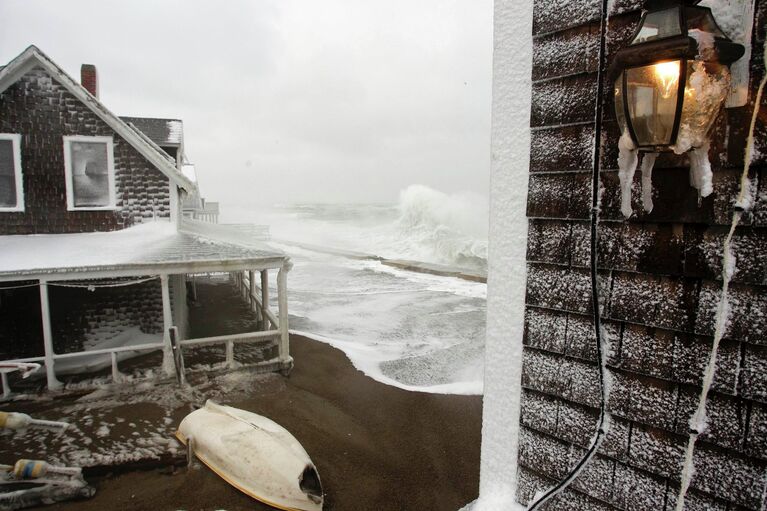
(668, 75)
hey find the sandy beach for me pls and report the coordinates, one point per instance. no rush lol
(376, 447)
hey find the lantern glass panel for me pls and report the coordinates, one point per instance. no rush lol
(659, 25)
(651, 94)
(700, 18)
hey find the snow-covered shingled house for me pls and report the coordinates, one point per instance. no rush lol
(658, 276)
(94, 250)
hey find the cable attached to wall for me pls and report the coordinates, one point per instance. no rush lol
(743, 203)
(105, 284)
(89, 287)
(604, 421)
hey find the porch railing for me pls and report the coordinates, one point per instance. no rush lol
(271, 327)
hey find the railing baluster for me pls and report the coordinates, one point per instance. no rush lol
(6, 387)
(115, 372)
(229, 354)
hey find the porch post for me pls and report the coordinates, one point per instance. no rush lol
(167, 323)
(251, 289)
(286, 362)
(265, 299)
(45, 313)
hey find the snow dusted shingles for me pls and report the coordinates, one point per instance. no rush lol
(548, 241)
(664, 302)
(562, 148)
(552, 287)
(690, 361)
(530, 483)
(616, 444)
(545, 329)
(163, 132)
(729, 476)
(703, 253)
(637, 490)
(725, 418)
(753, 374)
(648, 351)
(570, 379)
(556, 195)
(644, 400)
(660, 283)
(554, 15)
(565, 53)
(747, 312)
(563, 101)
(539, 411)
(756, 443)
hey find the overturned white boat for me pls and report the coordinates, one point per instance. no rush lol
(255, 455)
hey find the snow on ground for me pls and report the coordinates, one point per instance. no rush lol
(123, 423)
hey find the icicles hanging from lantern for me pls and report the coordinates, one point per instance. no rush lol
(672, 80)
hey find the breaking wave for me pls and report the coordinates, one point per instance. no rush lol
(425, 225)
(437, 227)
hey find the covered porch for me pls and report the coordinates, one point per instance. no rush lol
(147, 255)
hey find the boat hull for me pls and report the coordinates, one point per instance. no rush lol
(255, 455)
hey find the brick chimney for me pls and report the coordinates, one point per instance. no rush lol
(89, 79)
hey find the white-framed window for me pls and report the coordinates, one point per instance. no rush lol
(90, 172)
(11, 182)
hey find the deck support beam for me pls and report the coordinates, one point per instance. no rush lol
(167, 323)
(265, 300)
(286, 362)
(45, 313)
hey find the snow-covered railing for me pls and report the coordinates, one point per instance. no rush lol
(271, 326)
(112, 352)
(229, 340)
(257, 296)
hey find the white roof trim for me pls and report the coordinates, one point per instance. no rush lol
(32, 57)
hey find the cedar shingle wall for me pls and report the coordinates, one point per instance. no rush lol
(659, 286)
(78, 316)
(43, 111)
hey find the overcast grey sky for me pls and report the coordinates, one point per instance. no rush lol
(290, 100)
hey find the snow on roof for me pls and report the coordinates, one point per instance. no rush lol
(143, 248)
(162, 132)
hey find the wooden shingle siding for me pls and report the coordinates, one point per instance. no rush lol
(77, 316)
(43, 111)
(660, 282)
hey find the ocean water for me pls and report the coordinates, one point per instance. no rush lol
(412, 330)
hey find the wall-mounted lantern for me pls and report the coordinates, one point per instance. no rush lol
(671, 80)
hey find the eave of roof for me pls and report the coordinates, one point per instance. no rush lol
(147, 249)
(32, 57)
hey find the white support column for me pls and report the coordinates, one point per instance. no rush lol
(510, 134)
(282, 301)
(6, 388)
(167, 322)
(45, 313)
(252, 289)
(265, 298)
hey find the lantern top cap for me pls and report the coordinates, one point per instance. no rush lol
(652, 5)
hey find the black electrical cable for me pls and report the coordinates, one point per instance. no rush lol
(595, 202)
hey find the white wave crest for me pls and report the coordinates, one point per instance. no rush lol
(443, 228)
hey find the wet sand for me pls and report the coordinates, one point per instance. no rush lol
(376, 447)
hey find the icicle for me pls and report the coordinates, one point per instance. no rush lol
(627, 165)
(701, 177)
(648, 162)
